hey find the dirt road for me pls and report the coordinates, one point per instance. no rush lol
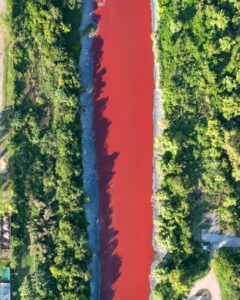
(209, 283)
(123, 92)
(222, 240)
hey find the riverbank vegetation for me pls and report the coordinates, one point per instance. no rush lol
(49, 230)
(8, 68)
(226, 264)
(199, 150)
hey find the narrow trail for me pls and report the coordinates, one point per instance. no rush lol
(123, 123)
(209, 283)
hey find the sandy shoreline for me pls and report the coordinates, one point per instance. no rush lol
(88, 147)
(158, 116)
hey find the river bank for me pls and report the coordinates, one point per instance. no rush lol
(88, 145)
(158, 117)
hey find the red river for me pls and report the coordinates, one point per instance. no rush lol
(123, 106)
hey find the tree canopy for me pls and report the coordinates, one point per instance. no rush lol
(50, 254)
(199, 149)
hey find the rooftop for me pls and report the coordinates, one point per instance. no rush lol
(5, 291)
(5, 234)
(5, 274)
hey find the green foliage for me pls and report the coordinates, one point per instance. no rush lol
(36, 286)
(226, 264)
(45, 167)
(232, 146)
(199, 148)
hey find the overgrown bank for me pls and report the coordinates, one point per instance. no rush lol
(226, 264)
(199, 150)
(49, 245)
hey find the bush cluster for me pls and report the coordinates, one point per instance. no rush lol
(226, 265)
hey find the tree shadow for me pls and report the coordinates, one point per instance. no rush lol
(110, 262)
(5, 120)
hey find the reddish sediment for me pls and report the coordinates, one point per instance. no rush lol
(123, 106)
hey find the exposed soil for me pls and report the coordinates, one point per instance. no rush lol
(209, 283)
(123, 121)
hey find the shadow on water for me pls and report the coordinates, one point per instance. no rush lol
(109, 260)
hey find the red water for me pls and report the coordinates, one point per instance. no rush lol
(123, 105)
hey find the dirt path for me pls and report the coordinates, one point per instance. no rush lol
(123, 92)
(210, 283)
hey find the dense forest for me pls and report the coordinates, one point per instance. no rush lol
(199, 151)
(226, 264)
(49, 238)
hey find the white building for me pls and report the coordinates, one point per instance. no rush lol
(5, 291)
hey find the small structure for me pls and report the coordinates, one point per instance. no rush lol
(5, 291)
(206, 246)
(5, 274)
(5, 234)
(5, 286)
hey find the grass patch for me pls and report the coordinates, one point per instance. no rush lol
(8, 78)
